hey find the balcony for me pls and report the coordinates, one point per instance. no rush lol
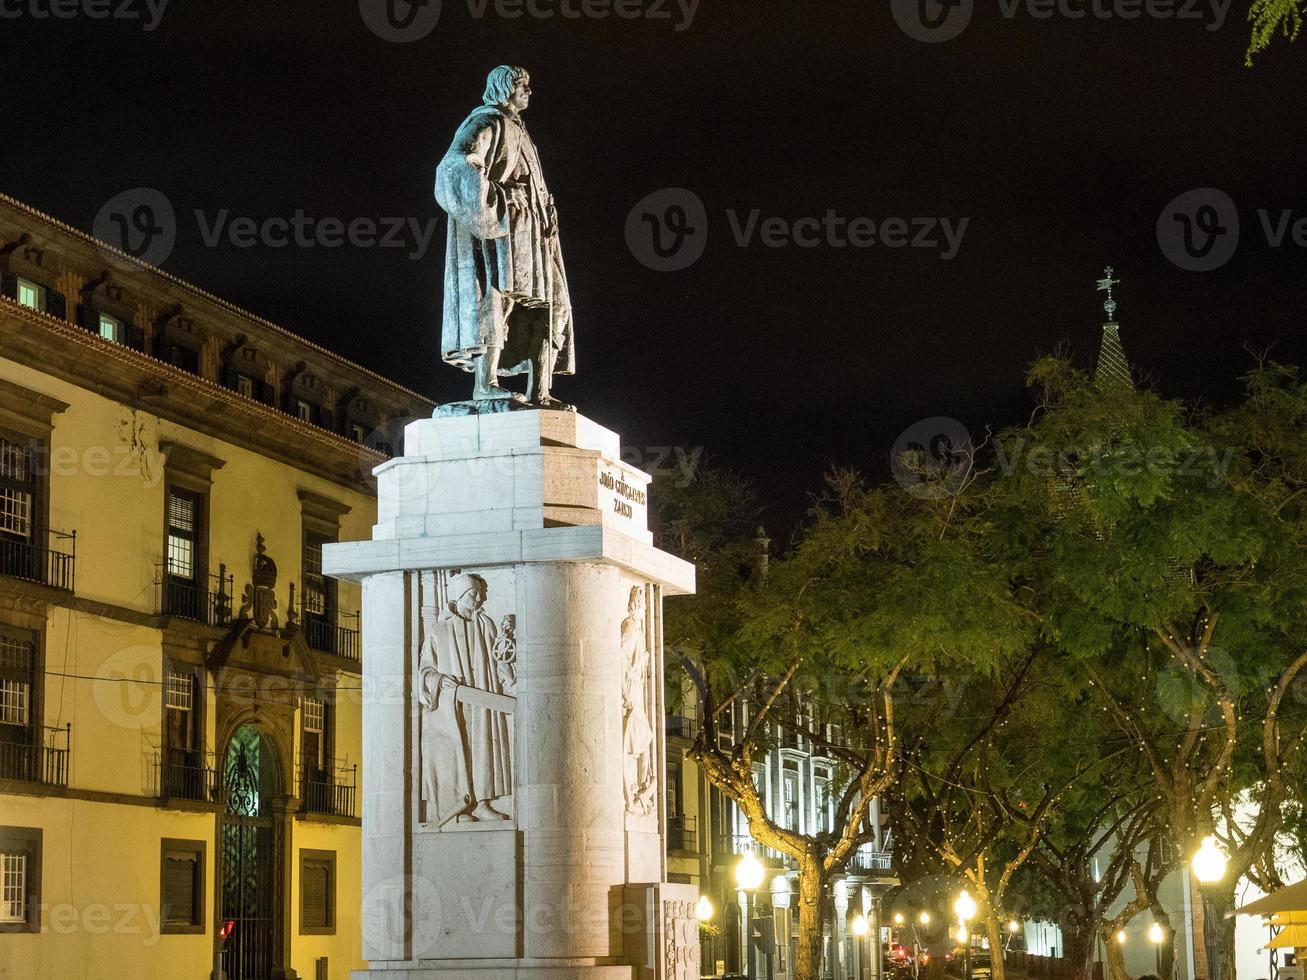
(205, 600)
(34, 754)
(866, 861)
(188, 774)
(46, 556)
(682, 726)
(683, 833)
(331, 792)
(326, 634)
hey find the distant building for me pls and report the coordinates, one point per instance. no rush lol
(707, 836)
(180, 716)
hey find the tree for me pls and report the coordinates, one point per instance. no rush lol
(880, 581)
(1162, 546)
(1271, 17)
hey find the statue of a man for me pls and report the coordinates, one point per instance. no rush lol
(507, 309)
(637, 733)
(467, 750)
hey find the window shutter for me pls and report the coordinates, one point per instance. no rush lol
(315, 885)
(179, 889)
(56, 304)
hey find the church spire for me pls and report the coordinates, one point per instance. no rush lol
(1113, 369)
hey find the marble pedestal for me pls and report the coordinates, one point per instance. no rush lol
(513, 797)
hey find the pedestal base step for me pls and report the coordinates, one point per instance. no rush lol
(508, 972)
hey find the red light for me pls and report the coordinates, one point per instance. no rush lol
(227, 927)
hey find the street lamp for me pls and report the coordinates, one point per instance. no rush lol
(749, 875)
(898, 918)
(1208, 864)
(704, 910)
(861, 927)
(924, 918)
(1120, 937)
(965, 908)
(1157, 936)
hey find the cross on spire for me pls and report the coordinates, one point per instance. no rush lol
(1105, 285)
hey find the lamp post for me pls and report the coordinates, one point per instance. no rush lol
(703, 911)
(749, 874)
(1157, 936)
(965, 909)
(1208, 864)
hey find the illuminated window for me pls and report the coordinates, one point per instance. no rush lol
(31, 295)
(20, 879)
(111, 328)
(17, 662)
(183, 531)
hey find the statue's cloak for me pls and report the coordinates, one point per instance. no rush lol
(496, 253)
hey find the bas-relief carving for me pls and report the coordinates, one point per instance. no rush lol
(139, 434)
(681, 941)
(640, 771)
(466, 685)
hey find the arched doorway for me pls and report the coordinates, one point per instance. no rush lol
(250, 862)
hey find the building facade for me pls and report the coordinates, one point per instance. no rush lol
(180, 705)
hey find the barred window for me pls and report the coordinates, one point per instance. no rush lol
(319, 590)
(13, 887)
(17, 662)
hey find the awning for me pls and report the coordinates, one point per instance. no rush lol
(1290, 937)
(1290, 898)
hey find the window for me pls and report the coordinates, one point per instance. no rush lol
(111, 328)
(31, 295)
(181, 886)
(673, 789)
(17, 489)
(303, 410)
(245, 385)
(183, 533)
(790, 783)
(319, 591)
(184, 358)
(20, 879)
(357, 433)
(17, 666)
(315, 730)
(317, 893)
(181, 726)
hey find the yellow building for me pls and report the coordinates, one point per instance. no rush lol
(180, 720)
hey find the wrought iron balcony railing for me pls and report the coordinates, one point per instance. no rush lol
(682, 726)
(682, 833)
(188, 774)
(337, 634)
(46, 556)
(34, 754)
(865, 859)
(205, 600)
(329, 791)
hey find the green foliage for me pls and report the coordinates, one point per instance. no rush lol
(1270, 17)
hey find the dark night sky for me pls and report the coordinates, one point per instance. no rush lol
(1061, 140)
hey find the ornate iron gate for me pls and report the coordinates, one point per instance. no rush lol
(249, 861)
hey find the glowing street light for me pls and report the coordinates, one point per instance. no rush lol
(924, 918)
(1120, 937)
(1014, 926)
(704, 910)
(1208, 864)
(861, 927)
(1158, 936)
(965, 906)
(962, 933)
(898, 918)
(749, 873)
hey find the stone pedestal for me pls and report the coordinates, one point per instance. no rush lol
(513, 797)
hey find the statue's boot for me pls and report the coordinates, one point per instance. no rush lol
(484, 811)
(542, 376)
(486, 387)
